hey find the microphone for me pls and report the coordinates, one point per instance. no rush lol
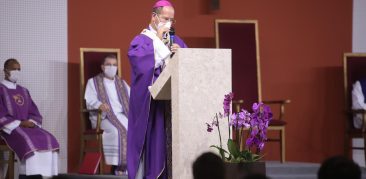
(172, 36)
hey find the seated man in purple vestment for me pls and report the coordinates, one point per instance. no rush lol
(109, 93)
(21, 127)
(147, 135)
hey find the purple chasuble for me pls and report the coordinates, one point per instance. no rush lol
(146, 127)
(17, 104)
(112, 118)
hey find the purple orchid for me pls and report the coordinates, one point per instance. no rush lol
(244, 119)
(261, 146)
(260, 119)
(233, 120)
(209, 127)
(227, 103)
(256, 124)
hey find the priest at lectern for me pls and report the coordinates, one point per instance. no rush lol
(148, 54)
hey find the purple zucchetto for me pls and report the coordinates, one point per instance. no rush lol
(162, 3)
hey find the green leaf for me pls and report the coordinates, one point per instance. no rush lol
(222, 152)
(219, 148)
(233, 149)
(229, 158)
(248, 156)
(258, 157)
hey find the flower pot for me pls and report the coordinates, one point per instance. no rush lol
(240, 170)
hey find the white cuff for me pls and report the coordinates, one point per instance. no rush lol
(8, 128)
(97, 105)
(36, 123)
(94, 105)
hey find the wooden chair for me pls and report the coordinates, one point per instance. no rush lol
(90, 65)
(242, 37)
(278, 124)
(10, 161)
(354, 66)
(352, 132)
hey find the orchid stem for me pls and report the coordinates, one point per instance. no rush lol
(218, 128)
(237, 132)
(228, 123)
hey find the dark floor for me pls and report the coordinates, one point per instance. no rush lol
(274, 170)
(295, 170)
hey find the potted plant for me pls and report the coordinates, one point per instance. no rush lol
(249, 126)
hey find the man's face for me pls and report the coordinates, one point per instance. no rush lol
(11, 67)
(109, 62)
(166, 14)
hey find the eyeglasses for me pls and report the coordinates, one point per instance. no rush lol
(166, 19)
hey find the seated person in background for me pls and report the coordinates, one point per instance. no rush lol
(358, 101)
(339, 167)
(208, 166)
(21, 127)
(110, 94)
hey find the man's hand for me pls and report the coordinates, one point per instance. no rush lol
(104, 107)
(27, 124)
(174, 47)
(163, 30)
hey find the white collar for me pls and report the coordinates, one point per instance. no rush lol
(107, 80)
(150, 33)
(152, 29)
(9, 84)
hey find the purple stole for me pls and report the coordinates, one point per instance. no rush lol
(111, 117)
(17, 104)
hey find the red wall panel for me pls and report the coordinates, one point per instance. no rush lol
(301, 47)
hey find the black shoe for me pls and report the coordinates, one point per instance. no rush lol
(30, 177)
(113, 169)
(34, 177)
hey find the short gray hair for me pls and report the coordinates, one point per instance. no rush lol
(157, 10)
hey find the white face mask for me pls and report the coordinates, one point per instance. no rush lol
(167, 25)
(14, 76)
(110, 71)
(162, 24)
